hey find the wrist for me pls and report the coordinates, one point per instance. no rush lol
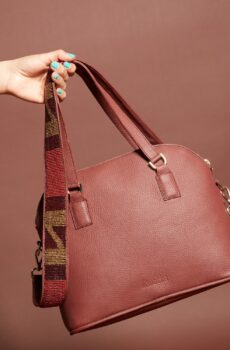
(4, 76)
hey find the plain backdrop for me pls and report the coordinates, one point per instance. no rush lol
(170, 59)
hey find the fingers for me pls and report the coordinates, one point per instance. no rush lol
(62, 70)
(61, 55)
(59, 81)
(70, 67)
(58, 55)
(61, 93)
(59, 68)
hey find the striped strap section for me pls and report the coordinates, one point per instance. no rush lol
(50, 287)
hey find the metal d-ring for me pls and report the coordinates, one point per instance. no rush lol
(162, 157)
(38, 258)
(75, 188)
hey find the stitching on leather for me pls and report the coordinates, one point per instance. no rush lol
(163, 189)
(86, 209)
(177, 194)
(75, 221)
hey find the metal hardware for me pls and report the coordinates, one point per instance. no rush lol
(207, 161)
(224, 190)
(35, 271)
(162, 157)
(75, 188)
(38, 258)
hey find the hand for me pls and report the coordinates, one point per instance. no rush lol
(24, 77)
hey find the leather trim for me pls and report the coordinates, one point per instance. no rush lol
(167, 183)
(79, 210)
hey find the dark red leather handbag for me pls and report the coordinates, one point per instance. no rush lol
(129, 234)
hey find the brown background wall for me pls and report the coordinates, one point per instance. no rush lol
(170, 59)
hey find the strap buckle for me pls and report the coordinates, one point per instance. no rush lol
(75, 188)
(38, 258)
(160, 156)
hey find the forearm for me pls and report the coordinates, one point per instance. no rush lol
(4, 76)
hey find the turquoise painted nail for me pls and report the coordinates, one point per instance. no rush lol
(59, 91)
(56, 76)
(66, 64)
(55, 64)
(71, 54)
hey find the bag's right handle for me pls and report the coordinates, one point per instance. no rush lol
(137, 133)
(128, 122)
(118, 99)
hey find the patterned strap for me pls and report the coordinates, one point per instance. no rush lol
(49, 287)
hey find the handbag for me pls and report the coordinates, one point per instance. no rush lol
(129, 234)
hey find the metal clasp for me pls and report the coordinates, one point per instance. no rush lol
(224, 190)
(75, 188)
(207, 161)
(162, 157)
(38, 258)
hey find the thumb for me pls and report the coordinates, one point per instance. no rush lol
(57, 55)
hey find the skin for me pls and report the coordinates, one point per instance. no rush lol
(24, 77)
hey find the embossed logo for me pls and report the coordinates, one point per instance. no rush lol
(154, 281)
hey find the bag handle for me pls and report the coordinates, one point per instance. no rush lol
(118, 99)
(107, 97)
(50, 287)
(115, 109)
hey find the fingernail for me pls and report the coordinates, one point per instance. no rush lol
(59, 91)
(67, 64)
(55, 64)
(71, 55)
(56, 76)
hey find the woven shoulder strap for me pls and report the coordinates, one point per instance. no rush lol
(49, 287)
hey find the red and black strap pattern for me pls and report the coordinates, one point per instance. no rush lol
(55, 204)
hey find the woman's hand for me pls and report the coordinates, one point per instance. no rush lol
(24, 77)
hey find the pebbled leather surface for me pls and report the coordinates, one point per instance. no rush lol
(139, 248)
